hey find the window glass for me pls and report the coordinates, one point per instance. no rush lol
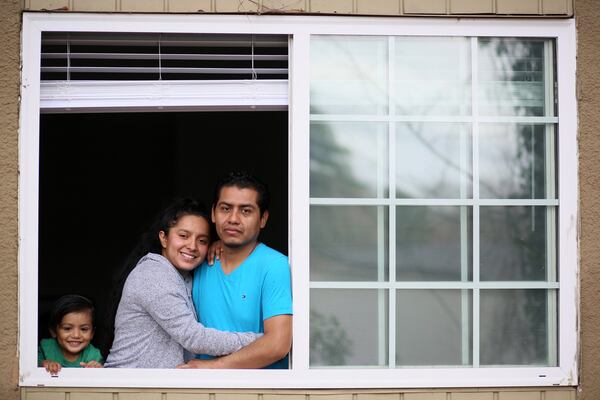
(433, 243)
(516, 161)
(435, 156)
(514, 327)
(349, 75)
(345, 243)
(432, 76)
(433, 327)
(446, 150)
(514, 243)
(348, 159)
(348, 327)
(512, 77)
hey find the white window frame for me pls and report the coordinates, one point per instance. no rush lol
(299, 28)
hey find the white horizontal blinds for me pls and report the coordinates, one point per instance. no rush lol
(156, 56)
(458, 244)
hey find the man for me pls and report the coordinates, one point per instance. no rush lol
(248, 288)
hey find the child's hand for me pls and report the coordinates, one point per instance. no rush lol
(91, 364)
(51, 366)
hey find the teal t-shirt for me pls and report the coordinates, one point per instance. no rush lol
(260, 288)
(50, 350)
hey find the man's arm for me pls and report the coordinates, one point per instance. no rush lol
(273, 346)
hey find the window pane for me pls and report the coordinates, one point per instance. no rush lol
(516, 161)
(515, 327)
(433, 327)
(348, 243)
(348, 75)
(432, 76)
(511, 77)
(445, 150)
(348, 327)
(433, 243)
(348, 159)
(513, 243)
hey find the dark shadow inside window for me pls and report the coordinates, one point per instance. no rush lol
(103, 178)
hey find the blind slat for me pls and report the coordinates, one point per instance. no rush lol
(166, 70)
(97, 56)
(147, 56)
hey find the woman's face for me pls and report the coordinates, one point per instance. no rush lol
(186, 243)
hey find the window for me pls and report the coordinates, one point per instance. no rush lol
(433, 201)
(432, 198)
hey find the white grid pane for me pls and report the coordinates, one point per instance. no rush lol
(474, 135)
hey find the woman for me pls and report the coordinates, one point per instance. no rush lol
(155, 323)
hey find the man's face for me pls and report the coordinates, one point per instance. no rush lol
(237, 217)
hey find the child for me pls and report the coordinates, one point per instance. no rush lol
(72, 329)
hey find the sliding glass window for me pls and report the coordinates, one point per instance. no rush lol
(433, 202)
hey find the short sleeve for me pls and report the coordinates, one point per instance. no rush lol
(93, 354)
(277, 289)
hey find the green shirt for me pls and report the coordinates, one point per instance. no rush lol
(50, 350)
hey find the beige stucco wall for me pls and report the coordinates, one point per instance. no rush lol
(588, 97)
(10, 25)
(587, 14)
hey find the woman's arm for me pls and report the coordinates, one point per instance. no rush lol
(272, 347)
(161, 293)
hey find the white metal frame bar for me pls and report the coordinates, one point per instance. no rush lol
(429, 118)
(476, 199)
(392, 324)
(300, 28)
(115, 96)
(339, 201)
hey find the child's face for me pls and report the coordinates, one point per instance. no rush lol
(74, 333)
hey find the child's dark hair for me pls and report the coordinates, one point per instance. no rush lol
(243, 180)
(149, 243)
(68, 304)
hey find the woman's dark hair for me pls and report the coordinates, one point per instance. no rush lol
(148, 243)
(243, 180)
(68, 304)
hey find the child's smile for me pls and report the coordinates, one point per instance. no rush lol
(74, 333)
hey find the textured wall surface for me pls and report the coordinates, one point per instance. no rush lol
(361, 7)
(10, 26)
(588, 96)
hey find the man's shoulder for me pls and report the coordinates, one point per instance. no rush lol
(264, 251)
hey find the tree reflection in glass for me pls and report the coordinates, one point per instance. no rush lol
(511, 77)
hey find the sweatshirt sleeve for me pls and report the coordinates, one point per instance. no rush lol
(163, 297)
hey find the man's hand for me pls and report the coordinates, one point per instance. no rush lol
(273, 346)
(51, 366)
(198, 363)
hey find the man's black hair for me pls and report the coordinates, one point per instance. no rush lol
(243, 180)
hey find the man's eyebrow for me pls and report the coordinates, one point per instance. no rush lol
(244, 205)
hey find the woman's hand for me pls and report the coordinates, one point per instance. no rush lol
(214, 252)
(91, 364)
(51, 366)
